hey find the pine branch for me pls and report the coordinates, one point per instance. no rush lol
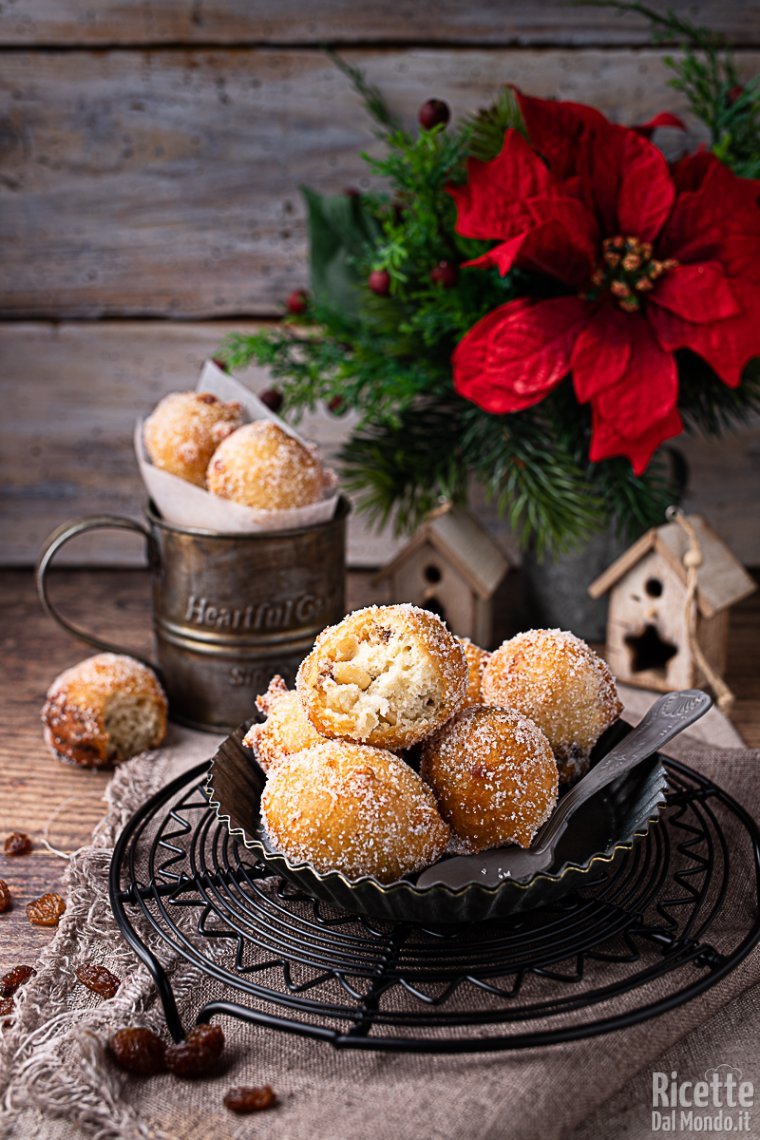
(400, 471)
(709, 406)
(544, 492)
(489, 125)
(668, 26)
(634, 503)
(371, 96)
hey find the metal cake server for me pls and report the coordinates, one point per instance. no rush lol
(665, 719)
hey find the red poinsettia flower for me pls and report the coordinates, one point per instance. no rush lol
(650, 259)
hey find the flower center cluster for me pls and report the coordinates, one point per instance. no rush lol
(628, 270)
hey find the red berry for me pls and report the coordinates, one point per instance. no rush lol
(352, 192)
(336, 405)
(433, 113)
(272, 399)
(444, 274)
(379, 282)
(221, 364)
(298, 302)
(734, 94)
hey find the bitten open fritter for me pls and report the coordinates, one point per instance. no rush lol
(385, 675)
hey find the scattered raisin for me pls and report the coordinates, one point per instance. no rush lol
(45, 911)
(16, 977)
(197, 1054)
(18, 844)
(98, 979)
(5, 896)
(250, 1099)
(6, 1010)
(138, 1051)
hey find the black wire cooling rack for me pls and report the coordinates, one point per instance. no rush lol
(674, 917)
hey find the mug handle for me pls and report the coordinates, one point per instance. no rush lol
(53, 544)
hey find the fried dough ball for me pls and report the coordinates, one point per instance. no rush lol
(184, 431)
(554, 678)
(385, 675)
(494, 777)
(287, 728)
(352, 808)
(261, 466)
(104, 710)
(476, 659)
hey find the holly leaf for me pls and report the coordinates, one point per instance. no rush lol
(341, 231)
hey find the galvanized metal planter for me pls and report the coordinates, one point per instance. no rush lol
(229, 610)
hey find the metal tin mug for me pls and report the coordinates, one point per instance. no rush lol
(229, 610)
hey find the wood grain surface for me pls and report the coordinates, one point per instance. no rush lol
(71, 393)
(152, 155)
(46, 798)
(104, 22)
(165, 183)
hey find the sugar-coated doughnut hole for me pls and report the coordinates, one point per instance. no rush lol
(476, 659)
(264, 467)
(184, 431)
(353, 808)
(104, 710)
(494, 777)
(558, 681)
(286, 730)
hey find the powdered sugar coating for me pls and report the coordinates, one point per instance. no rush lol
(476, 659)
(384, 675)
(184, 431)
(494, 777)
(287, 728)
(558, 681)
(262, 466)
(103, 710)
(353, 808)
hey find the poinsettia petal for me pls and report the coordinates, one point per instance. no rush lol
(689, 172)
(561, 132)
(607, 441)
(740, 256)
(663, 119)
(712, 204)
(601, 352)
(491, 203)
(550, 249)
(647, 393)
(646, 190)
(727, 346)
(698, 293)
(514, 356)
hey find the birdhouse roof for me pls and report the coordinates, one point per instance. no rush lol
(721, 579)
(458, 537)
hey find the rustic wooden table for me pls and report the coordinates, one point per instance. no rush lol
(48, 799)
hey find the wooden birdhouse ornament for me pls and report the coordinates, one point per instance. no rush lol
(670, 597)
(455, 568)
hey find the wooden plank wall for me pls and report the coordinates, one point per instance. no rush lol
(151, 158)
